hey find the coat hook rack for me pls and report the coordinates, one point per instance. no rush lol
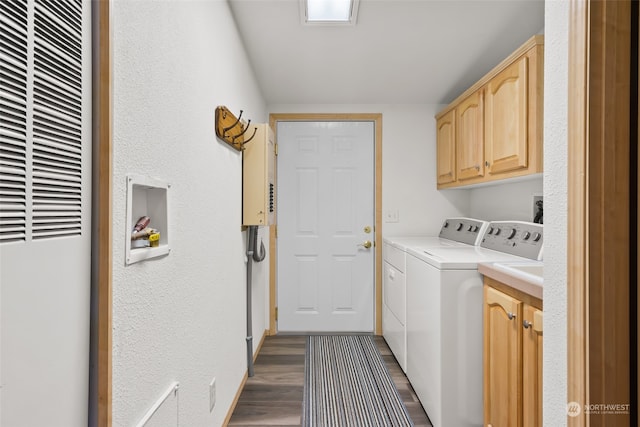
(231, 129)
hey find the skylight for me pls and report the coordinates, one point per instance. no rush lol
(329, 11)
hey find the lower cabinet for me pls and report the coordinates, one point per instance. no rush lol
(512, 357)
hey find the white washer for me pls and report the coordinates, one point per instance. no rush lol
(455, 232)
(444, 319)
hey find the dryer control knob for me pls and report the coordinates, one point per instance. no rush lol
(512, 233)
(470, 228)
(459, 227)
(526, 235)
(536, 236)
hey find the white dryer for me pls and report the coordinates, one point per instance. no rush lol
(455, 232)
(444, 319)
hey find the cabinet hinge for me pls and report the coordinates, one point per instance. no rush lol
(275, 230)
(276, 313)
(275, 149)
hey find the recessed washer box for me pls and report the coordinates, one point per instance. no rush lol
(147, 196)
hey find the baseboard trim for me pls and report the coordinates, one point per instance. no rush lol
(243, 382)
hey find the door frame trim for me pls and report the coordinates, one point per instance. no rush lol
(102, 229)
(376, 118)
(598, 200)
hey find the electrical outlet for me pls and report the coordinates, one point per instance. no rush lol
(212, 394)
(536, 208)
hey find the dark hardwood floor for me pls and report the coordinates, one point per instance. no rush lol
(273, 396)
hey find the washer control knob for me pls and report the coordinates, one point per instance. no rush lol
(526, 235)
(470, 228)
(490, 230)
(536, 236)
(512, 233)
(446, 224)
(459, 227)
(475, 229)
(497, 233)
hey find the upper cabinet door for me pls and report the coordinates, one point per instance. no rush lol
(446, 148)
(470, 136)
(507, 118)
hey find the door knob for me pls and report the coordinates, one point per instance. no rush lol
(366, 244)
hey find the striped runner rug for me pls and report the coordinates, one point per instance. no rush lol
(347, 384)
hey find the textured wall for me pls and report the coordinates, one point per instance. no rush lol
(555, 199)
(181, 317)
(408, 166)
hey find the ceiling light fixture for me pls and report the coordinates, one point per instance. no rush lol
(329, 12)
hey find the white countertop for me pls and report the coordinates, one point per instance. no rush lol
(516, 275)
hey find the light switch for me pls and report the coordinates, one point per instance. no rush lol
(391, 216)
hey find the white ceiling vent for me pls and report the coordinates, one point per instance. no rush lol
(329, 12)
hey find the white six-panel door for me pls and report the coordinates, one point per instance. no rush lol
(325, 215)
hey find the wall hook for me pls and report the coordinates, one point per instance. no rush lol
(228, 128)
(246, 128)
(225, 123)
(255, 129)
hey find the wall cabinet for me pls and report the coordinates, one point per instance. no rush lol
(512, 357)
(498, 122)
(446, 140)
(507, 111)
(470, 136)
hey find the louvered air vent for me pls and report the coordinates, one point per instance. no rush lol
(41, 130)
(57, 119)
(13, 120)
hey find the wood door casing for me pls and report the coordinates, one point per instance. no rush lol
(506, 142)
(598, 367)
(376, 118)
(470, 136)
(446, 148)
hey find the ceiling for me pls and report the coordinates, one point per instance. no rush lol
(399, 51)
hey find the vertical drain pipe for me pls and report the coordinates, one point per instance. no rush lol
(252, 255)
(251, 244)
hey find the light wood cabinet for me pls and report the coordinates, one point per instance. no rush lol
(532, 367)
(498, 121)
(506, 119)
(502, 359)
(470, 136)
(446, 140)
(512, 357)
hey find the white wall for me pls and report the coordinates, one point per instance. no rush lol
(181, 317)
(408, 166)
(555, 199)
(505, 201)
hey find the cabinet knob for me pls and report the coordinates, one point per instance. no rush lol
(486, 163)
(511, 316)
(526, 324)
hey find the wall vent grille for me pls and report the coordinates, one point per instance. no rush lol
(42, 114)
(13, 121)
